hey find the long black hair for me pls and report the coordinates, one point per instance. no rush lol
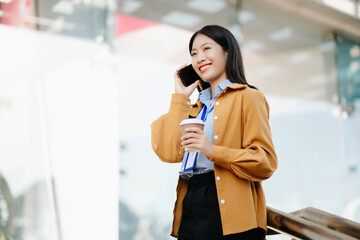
(234, 64)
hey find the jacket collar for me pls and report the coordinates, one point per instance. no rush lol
(237, 86)
(234, 86)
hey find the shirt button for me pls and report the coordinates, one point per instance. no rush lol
(222, 201)
(216, 117)
(217, 103)
(218, 178)
(216, 136)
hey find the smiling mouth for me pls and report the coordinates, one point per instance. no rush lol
(204, 67)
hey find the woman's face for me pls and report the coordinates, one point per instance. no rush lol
(209, 59)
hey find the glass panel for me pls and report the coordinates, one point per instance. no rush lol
(85, 19)
(24, 158)
(58, 128)
(348, 61)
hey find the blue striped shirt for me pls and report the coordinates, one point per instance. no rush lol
(203, 165)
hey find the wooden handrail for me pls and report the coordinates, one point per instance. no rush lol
(330, 220)
(297, 227)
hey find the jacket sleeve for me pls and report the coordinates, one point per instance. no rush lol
(256, 160)
(165, 131)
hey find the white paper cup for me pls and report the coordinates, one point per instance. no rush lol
(191, 122)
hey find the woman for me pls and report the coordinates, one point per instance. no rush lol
(222, 196)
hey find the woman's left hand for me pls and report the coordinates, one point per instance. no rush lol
(196, 138)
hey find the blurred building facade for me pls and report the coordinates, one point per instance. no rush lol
(82, 80)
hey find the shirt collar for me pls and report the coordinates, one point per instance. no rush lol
(205, 95)
(224, 84)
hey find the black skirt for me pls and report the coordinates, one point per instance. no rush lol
(201, 216)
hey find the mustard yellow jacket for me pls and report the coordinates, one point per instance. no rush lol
(243, 154)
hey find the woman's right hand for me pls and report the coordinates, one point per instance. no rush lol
(179, 86)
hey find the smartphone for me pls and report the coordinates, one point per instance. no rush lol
(188, 76)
